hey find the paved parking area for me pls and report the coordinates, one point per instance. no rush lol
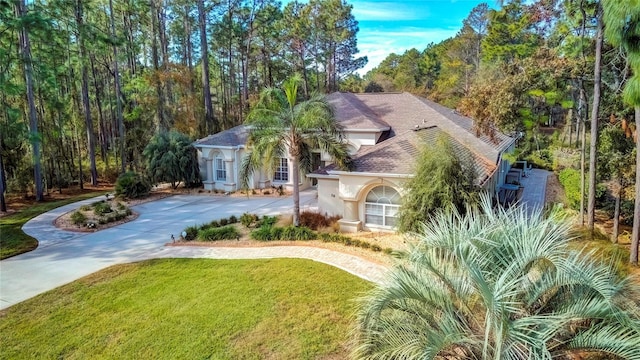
(64, 256)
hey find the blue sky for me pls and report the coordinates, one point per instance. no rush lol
(395, 26)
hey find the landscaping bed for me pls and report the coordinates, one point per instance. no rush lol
(104, 213)
(317, 230)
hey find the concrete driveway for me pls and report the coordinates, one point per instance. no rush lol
(64, 256)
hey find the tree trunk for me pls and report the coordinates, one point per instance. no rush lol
(295, 177)
(116, 80)
(616, 213)
(583, 139)
(85, 96)
(209, 119)
(635, 233)
(591, 206)
(25, 47)
(3, 186)
(160, 116)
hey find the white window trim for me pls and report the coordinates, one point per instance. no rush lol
(282, 170)
(220, 169)
(386, 207)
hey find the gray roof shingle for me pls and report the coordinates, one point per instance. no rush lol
(403, 111)
(397, 155)
(236, 136)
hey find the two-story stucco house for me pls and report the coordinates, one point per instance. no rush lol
(384, 132)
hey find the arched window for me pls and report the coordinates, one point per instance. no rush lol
(381, 206)
(220, 169)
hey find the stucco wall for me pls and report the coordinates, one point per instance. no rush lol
(234, 157)
(329, 201)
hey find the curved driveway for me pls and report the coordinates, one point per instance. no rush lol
(64, 256)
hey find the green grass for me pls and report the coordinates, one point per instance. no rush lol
(13, 241)
(190, 309)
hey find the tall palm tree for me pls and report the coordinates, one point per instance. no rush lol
(279, 125)
(498, 285)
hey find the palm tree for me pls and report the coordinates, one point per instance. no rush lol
(498, 285)
(279, 125)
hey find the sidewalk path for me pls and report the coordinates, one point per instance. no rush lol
(64, 256)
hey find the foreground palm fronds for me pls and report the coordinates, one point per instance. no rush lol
(499, 284)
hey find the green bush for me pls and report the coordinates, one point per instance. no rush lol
(264, 233)
(220, 233)
(233, 219)
(192, 233)
(570, 180)
(114, 216)
(85, 208)
(131, 185)
(78, 218)
(267, 221)
(224, 222)
(297, 233)
(248, 219)
(289, 233)
(102, 208)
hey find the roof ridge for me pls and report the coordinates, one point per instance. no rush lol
(375, 117)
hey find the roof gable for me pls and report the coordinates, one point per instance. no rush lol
(236, 136)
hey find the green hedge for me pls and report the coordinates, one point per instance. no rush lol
(221, 233)
(271, 233)
(570, 180)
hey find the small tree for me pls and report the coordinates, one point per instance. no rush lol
(442, 181)
(172, 158)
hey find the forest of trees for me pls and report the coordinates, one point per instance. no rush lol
(84, 85)
(557, 74)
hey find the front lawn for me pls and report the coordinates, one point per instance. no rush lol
(13, 241)
(190, 309)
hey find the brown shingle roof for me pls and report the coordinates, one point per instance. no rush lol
(397, 155)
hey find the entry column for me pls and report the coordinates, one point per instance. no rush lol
(350, 221)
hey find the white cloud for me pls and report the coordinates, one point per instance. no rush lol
(378, 44)
(387, 11)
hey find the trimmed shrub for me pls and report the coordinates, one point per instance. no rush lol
(220, 233)
(102, 208)
(290, 233)
(297, 233)
(131, 185)
(78, 218)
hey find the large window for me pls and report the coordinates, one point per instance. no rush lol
(220, 169)
(282, 171)
(381, 206)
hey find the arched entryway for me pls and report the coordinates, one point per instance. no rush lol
(381, 207)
